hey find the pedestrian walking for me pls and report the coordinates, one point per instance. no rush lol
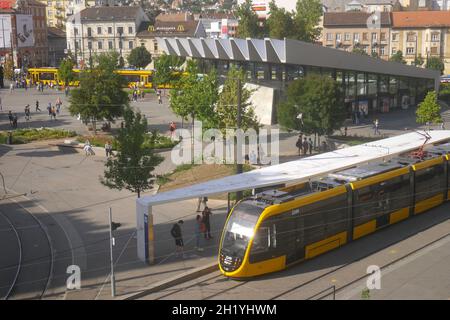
(310, 145)
(49, 109)
(27, 112)
(172, 128)
(66, 91)
(376, 127)
(206, 214)
(37, 106)
(305, 146)
(299, 143)
(345, 131)
(11, 118)
(53, 113)
(108, 149)
(199, 229)
(177, 234)
(159, 97)
(442, 125)
(201, 200)
(14, 124)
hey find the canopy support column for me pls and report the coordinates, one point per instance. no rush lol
(145, 233)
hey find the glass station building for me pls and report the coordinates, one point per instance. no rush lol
(370, 84)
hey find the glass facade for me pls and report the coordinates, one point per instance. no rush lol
(366, 93)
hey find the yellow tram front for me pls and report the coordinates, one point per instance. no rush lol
(245, 238)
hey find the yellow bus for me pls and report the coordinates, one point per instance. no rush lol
(133, 78)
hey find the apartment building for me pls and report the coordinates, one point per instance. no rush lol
(362, 30)
(102, 29)
(425, 34)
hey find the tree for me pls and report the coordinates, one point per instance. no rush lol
(100, 94)
(139, 57)
(65, 71)
(398, 57)
(419, 61)
(226, 108)
(165, 67)
(133, 165)
(279, 23)
(248, 21)
(196, 96)
(318, 100)
(307, 20)
(9, 68)
(429, 110)
(435, 63)
(359, 50)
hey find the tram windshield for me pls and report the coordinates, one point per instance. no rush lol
(240, 229)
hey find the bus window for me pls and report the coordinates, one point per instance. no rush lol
(47, 76)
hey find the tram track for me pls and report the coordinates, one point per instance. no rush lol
(30, 282)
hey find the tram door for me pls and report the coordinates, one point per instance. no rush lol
(295, 231)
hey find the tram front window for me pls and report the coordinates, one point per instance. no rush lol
(240, 229)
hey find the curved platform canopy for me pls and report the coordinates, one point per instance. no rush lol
(302, 169)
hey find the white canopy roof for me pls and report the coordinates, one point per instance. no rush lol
(302, 169)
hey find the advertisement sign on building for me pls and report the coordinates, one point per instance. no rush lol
(25, 31)
(5, 31)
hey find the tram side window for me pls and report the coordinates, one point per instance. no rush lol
(47, 76)
(397, 191)
(429, 182)
(264, 242)
(365, 204)
(336, 215)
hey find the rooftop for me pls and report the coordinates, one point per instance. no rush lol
(109, 13)
(421, 19)
(352, 19)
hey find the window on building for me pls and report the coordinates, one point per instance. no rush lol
(109, 30)
(347, 36)
(411, 37)
(395, 37)
(382, 50)
(383, 36)
(435, 37)
(89, 45)
(410, 50)
(110, 45)
(99, 30)
(120, 30)
(394, 51)
(130, 30)
(338, 37)
(130, 44)
(100, 45)
(120, 45)
(75, 30)
(49, 3)
(374, 50)
(434, 50)
(365, 36)
(89, 32)
(366, 49)
(356, 37)
(155, 46)
(329, 37)
(374, 37)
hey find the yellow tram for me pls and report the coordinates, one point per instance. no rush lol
(133, 78)
(278, 228)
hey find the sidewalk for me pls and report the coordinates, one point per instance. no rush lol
(133, 276)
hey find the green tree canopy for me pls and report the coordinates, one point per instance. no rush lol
(165, 66)
(226, 108)
(435, 63)
(65, 71)
(280, 23)
(196, 96)
(133, 165)
(248, 21)
(398, 57)
(359, 50)
(318, 100)
(100, 94)
(429, 110)
(8, 69)
(139, 57)
(307, 19)
(419, 61)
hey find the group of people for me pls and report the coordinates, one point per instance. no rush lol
(304, 145)
(138, 93)
(202, 226)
